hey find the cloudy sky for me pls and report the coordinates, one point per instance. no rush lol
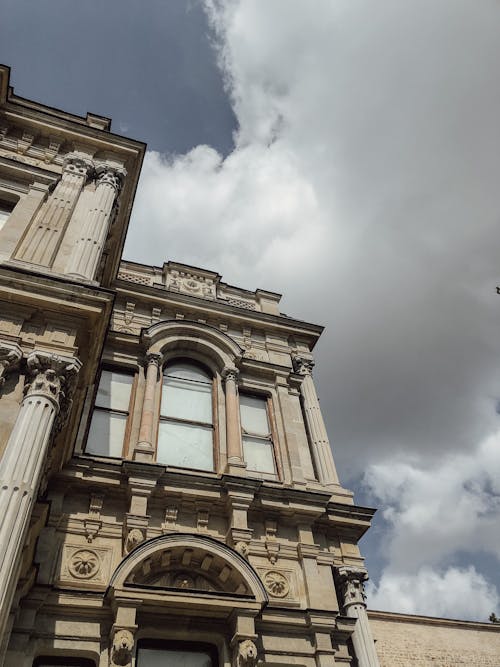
(347, 154)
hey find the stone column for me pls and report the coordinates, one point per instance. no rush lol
(22, 465)
(320, 445)
(87, 251)
(42, 240)
(353, 597)
(145, 450)
(233, 429)
(10, 356)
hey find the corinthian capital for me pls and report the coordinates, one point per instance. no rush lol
(10, 356)
(78, 163)
(351, 580)
(302, 364)
(109, 174)
(53, 376)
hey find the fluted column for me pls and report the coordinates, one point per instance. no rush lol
(233, 429)
(320, 445)
(45, 233)
(145, 450)
(87, 251)
(352, 589)
(10, 356)
(22, 464)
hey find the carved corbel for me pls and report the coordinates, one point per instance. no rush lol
(303, 364)
(245, 654)
(122, 647)
(94, 523)
(272, 544)
(10, 356)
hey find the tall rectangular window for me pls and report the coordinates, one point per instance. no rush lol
(109, 419)
(186, 432)
(258, 448)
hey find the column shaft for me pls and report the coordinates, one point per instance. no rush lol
(233, 429)
(145, 446)
(320, 445)
(21, 466)
(84, 259)
(42, 240)
(351, 580)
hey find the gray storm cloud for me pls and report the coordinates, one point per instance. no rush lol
(364, 185)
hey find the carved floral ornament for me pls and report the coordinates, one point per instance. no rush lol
(84, 564)
(276, 584)
(122, 647)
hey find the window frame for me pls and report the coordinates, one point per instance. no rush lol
(277, 475)
(179, 645)
(214, 426)
(109, 368)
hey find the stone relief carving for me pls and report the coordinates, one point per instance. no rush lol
(10, 356)
(246, 654)
(190, 283)
(135, 537)
(302, 364)
(122, 647)
(84, 564)
(276, 584)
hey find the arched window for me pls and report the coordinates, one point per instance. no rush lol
(186, 432)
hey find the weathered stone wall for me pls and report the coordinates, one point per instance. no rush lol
(420, 641)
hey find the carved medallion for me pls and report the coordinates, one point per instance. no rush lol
(84, 564)
(276, 584)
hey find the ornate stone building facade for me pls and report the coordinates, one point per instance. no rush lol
(168, 492)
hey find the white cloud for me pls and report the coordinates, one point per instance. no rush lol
(435, 511)
(454, 593)
(364, 186)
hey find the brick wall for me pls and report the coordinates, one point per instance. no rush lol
(419, 641)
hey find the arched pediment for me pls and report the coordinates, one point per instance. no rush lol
(184, 337)
(191, 563)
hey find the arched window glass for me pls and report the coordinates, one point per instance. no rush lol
(185, 434)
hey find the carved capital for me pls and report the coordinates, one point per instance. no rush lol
(10, 355)
(302, 364)
(53, 376)
(78, 164)
(108, 174)
(153, 358)
(230, 375)
(351, 581)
